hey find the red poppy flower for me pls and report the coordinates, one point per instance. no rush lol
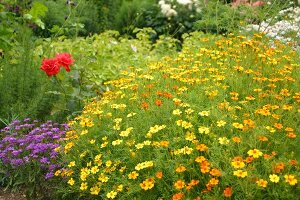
(50, 66)
(64, 60)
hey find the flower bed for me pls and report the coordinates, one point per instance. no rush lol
(220, 120)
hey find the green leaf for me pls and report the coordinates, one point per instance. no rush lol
(40, 23)
(38, 10)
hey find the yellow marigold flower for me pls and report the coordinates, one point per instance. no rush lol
(83, 132)
(144, 165)
(103, 178)
(133, 175)
(57, 173)
(176, 112)
(238, 125)
(223, 140)
(120, 188)
(179, 184)
(255, 153)
(240, 173)
(139, 146)
(95, 190)
(274, 178)
(238, 164)
(221, 123)
(71, 181)
(271, 129)
(104, 144)
(83, 186)
(290, 179)
(111, 195)
(204, 113)
(116, 142)
(131, 114)
(203, 129)
(189, 111)
(262, 183)
(190, 136)
(94, 169)
(147, 184)
(92, 141)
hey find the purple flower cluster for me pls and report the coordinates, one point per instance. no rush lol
(29, 142)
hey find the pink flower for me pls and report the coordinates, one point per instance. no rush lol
(50, 66)
(64, 60)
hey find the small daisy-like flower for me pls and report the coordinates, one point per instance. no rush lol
(255, 153)
(262, 183)
(111, 195)
(221, 123)
(274, 178)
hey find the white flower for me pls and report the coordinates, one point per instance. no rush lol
(184, 2)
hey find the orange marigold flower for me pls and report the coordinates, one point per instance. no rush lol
(287, 107)
(249, 159)
(263, 138)
(267, 156)
(237, 158)
(227, 192)
(159, 174)
(178, 196)
(213, 181)
(179, 184)
(204, 169)
(158, 102)
(289, 129)
(200, 159)
(279, 167)
(180, 169)
(201, 147)
(145, 105)
(192, 184)
(262, 183)
(236, 139)
(293, 162)
(291, 135)
(278, 125)
(164, 143)
(149, 86)
(145, 95)
(215, 172)
(167, 95)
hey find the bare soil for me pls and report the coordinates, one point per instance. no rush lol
(10, 195)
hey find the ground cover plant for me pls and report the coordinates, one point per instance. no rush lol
(219, 120)
(28, 154)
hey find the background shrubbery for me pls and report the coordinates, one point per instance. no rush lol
(151, 45)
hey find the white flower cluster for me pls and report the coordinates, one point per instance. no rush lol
(280, 30)
(168, 7)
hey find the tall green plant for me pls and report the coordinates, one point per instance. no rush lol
(21, 83)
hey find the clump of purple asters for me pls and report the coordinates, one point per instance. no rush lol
(29, 142)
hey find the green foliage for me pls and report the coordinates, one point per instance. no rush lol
(21, 81)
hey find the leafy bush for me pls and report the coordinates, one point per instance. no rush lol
(28, 154)
(218, 120)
